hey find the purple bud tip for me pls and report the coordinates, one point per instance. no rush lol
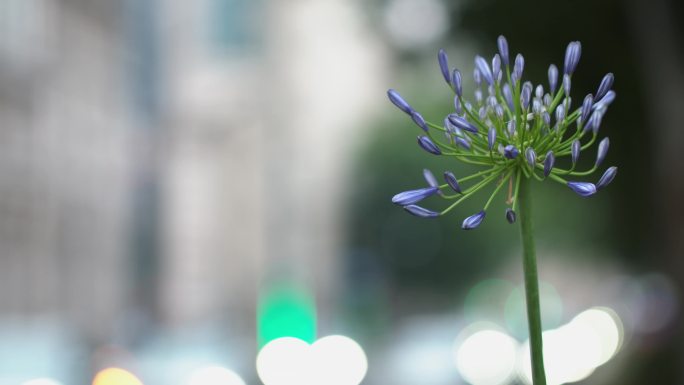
(605, 101)
(503, 49)
(607, 177)
(508, 95)
(518, 66)
(553, 78)
(586, 108)
(398, 101)
(491, 137)
(584, 189)
(462, 142)
(525, 96)
(605, 86)
(566, 84)
(572, 56)
(576, 147)
(548, 163)
(413, 196)
(510, 215)
(418, 119)
(511, 152)
(496, 66)
(602, 151)
(531, 157)
(451, 181)
(444, 65)
(426, 144)
(421, 211)
(484, 70)
(462, 123)
(430, 178)
(473, 221)
(457, 82)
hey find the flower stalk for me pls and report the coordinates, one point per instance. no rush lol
(531, 283)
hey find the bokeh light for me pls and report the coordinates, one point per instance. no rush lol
(334, 360)
(487, 357)
(573, 351)
(116, 376)
(338, 360)
(286, 311)
(214, 375)
(284, 361)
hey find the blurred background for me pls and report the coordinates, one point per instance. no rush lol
(182, 183)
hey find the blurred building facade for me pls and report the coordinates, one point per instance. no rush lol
(143, 182)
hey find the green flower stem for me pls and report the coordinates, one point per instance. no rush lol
(531, 284)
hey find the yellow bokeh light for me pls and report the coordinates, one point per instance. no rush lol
(115, 376)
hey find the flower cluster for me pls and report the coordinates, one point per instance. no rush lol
(514, 129)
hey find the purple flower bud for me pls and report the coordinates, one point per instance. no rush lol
(518, 66)
(547, 100)
(483, 67)
(572, 56)
(427, 145)
(418, 119)
(473, 221)
(491, 137)
(510, 215)
(398, 101)
(457, 82)
(451, 181)
(462, 142)
(605, 101)
(510, 127)
(525, 96)
(536, 106)
(444, 65)
(560, 114)
(478, 96)
(499, 111)
(462, 123)
(576, 147)
(602, 151)
(458, 107)
(482, 113)
(503, 49)
(586, 108)
(531, 157)
(548, 163)
(607, 177)
(511, 152)
(566, 84)
(413, 196)
(496, 66)
(567, 102)
(508, 95)
(595, 121)
(546, 117)
(584, 189)
(477, 76)
(421, 211)
(430, 178)
(553, 78)
(605, 86)
(539, 91)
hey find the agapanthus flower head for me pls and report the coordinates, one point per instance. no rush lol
(514, 130)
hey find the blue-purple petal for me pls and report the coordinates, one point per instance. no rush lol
(473, 221)
(607, 177)
(413, 196)
(584, 189)
(421, 211)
